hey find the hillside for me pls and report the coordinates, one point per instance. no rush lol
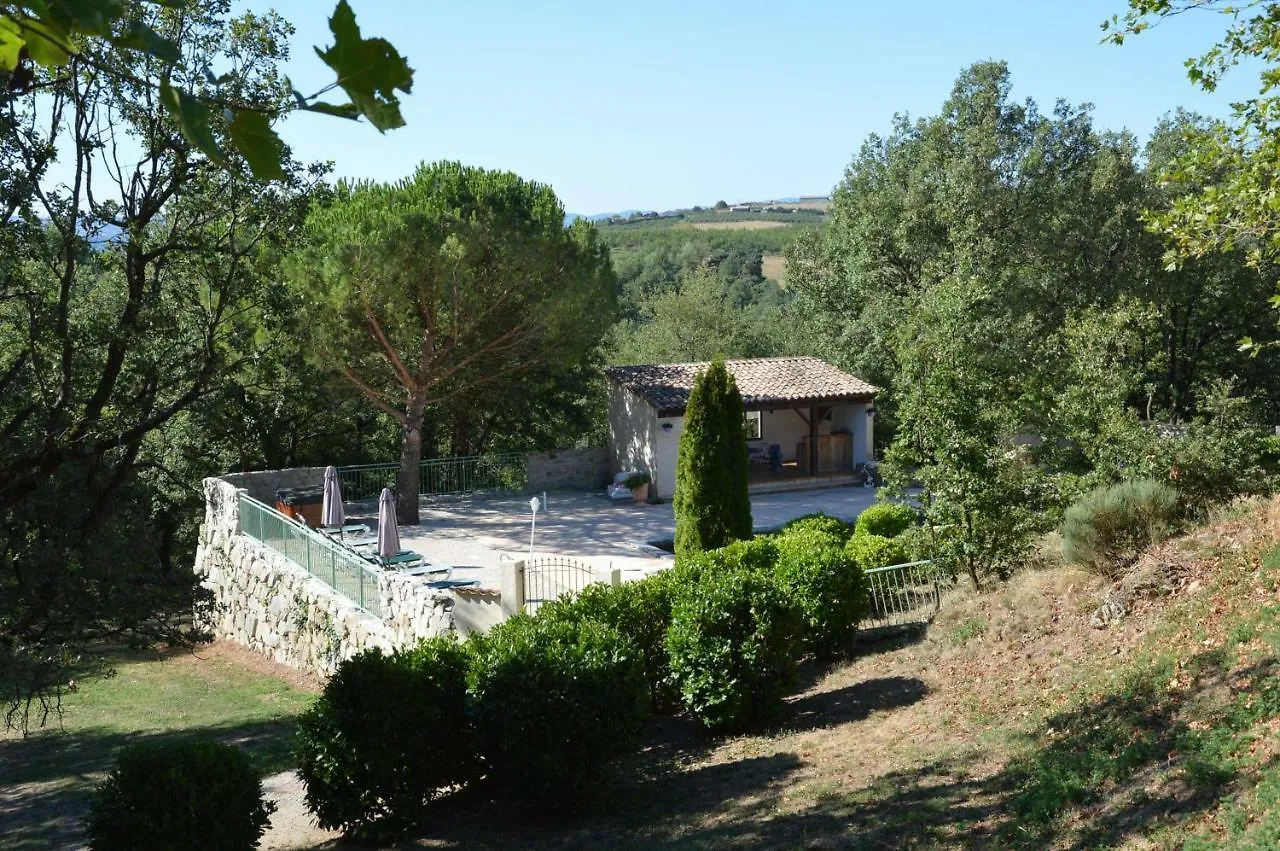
(1011, 722)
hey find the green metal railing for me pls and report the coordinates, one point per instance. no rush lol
(341, 569)
(905, 594)
(464, 474)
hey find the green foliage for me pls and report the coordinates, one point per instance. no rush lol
(1107, 528)
(555, 700)
(456, 284)
(142, 304)
(838, 529)
(196, 794)
(1238, 156)
(640, 611)
(757, 555)
(711, 504)
(389, 733)
(826, 584)
(733, 643)
(886, 519)
(699, 315)
(369, 70)
(868, 551)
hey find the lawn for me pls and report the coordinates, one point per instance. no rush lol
(220, 690)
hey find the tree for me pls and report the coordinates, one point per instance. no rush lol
(712, 507)
(721, 205)
(1235, 210)
(698, 319)
(127, 293)
(964, 393)
(450, 283)
(108, 37)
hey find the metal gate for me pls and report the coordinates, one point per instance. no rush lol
(905, 594)
(551, 577)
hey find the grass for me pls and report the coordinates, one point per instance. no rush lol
(774, 267)
(745, 224)
(222, 691)
(1010, 723)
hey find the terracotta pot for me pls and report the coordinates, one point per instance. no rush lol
(640, 493)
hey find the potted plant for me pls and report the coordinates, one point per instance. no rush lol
(639, 485)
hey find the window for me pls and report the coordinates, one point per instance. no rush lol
(752, 419)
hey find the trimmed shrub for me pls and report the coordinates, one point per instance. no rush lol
(755, 555)
(711, 504)
(826, 585)
(833, 526)
(641, 611)
(886, 519)
(555, 700)
(1107, 528)
(871, 551)
(389, 733)
(195, 794)
(733, 643)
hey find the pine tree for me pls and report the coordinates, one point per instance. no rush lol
(711, 503)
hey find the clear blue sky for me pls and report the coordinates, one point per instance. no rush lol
(659, 104)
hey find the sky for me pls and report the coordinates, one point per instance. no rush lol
(660, 105)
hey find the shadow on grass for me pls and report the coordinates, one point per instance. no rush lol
(1105, 771)
(855, 702)
(47, 778)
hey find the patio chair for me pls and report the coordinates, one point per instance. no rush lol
(401, 560)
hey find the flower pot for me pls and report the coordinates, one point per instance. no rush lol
(640, 493)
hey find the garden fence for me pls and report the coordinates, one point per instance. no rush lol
(507, 471)
(905, 594)
(339, 568)
(551, 577)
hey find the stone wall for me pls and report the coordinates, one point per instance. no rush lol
(569, 469)
(268, 604)
(263, 484)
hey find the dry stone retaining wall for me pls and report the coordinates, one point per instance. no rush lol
(269, 604)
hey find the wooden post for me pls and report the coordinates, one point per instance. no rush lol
(813, 441)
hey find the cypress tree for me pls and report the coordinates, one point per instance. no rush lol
(711, 503)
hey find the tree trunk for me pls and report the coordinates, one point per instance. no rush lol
(408, 479)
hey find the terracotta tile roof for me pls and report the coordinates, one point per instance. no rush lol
(786, 382)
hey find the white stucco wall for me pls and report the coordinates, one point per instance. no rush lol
(667, 450)
(633, 430)
(855, 419)
(786, 428)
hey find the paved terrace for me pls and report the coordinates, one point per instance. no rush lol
(472, 532)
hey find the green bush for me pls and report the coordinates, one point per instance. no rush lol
(711, 504)
(641, 611)
(554, 701)
(195, 794)
(871, 551)
(733, 643)
(1107, 528)
(389, 733)
(755, 555)
(886, 519)
(917, 544)
(826, 585)
(833, 526)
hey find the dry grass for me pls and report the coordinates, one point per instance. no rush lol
(945, 739)
(774, 266)
(745, 224)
